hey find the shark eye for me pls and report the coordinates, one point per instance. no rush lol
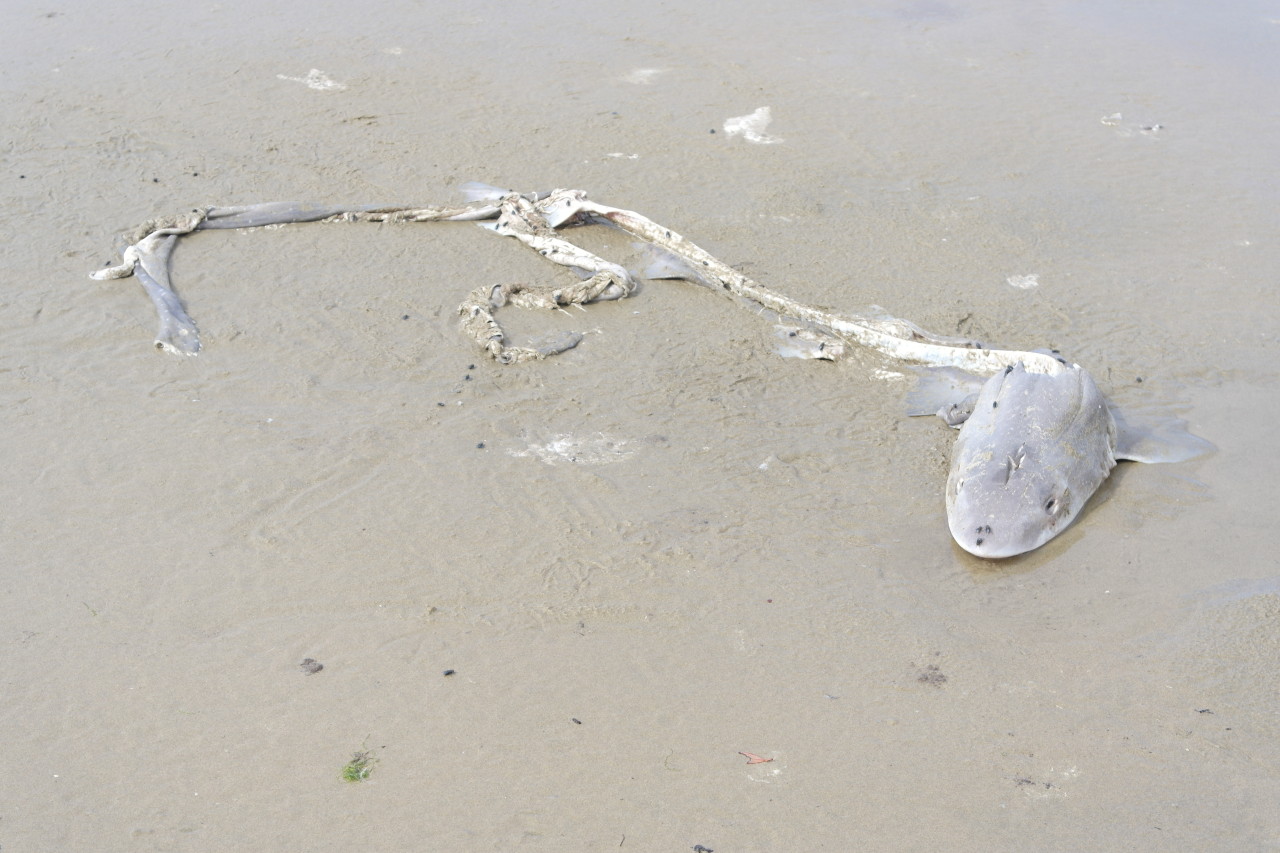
(1050, 504)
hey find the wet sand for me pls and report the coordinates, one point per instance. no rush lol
(553, 602)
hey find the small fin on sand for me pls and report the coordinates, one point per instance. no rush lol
(476, 191)
(555, 344)
(800, 342)
(661, 264)
(944, 389)
(1145, 437)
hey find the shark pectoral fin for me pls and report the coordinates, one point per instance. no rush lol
(947, 392)
(1158, 438)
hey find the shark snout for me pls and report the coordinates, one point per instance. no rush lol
(993, 540)
(998, 523)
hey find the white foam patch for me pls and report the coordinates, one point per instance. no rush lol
(315, 79)
(1130, 129)
(752, 127)
(1024, 282)
(598, 449)
(643, 76)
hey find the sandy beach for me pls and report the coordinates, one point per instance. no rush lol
(560, 605)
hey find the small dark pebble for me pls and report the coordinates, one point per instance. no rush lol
(22, 176)
(310, 666)
(576, 720)
(480, 445)
(698, 848)
(713, 130)
(405, 317)
(467, 377)
(932, 675)
(471, 367)
(155, 180)
(439, 404)
(1139, 378)
(449, 672)
(1203, 711)
(195, 174)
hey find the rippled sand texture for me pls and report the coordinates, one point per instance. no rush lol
(550, 606)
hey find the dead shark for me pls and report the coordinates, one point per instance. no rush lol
(1033, 447)
(1037, 438)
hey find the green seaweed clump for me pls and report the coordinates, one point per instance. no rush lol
(359, 767)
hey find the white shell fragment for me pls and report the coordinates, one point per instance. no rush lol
(751, 127)
(315, 79)
(642, 76)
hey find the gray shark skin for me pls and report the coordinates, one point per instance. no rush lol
(1031, 452)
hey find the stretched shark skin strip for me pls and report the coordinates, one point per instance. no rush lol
(177, 332)
(532, 218)
(150, 244)
(899, 339)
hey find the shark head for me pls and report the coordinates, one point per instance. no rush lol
(1033, 451)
